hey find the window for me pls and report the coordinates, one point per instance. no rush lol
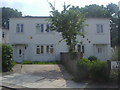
(48, 28)
(20, 52)
(99, 28)
(99, 50)
(49, 49)
(40, 27)
(19, 28)
(3, 34)
(40, 49)
(80, 48)
(82, 30)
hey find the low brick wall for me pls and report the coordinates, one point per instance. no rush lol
(69, 61)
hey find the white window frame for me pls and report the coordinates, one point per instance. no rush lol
(40, 50)
(82, 48)
(19, 28)
(99, 28)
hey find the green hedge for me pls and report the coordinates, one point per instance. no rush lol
(93, 70)
(39, 62)
(7, 62)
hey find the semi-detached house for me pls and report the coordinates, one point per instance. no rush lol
(32, 39)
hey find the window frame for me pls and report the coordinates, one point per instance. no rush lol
(100, 28)
(20, 28)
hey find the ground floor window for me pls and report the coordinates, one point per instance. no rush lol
(80, 48)
(41, 49)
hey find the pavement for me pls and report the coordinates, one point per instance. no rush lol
(43, 76)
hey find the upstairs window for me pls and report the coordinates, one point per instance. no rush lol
(19, 28)
(3, 34)
(82, 30)
(40, 27)
(48, 28)
(99, 28)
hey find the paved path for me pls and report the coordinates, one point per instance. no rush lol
(41, 76)
(44, 76)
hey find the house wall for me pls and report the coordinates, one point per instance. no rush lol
(54, 38)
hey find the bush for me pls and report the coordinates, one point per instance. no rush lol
(7, 62)
(92, 58)
(94, 70)
(83, 71)
(99, 71)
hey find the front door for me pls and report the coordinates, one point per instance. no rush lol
(20, 53)
(100, 52)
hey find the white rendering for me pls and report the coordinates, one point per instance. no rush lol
(32, 40)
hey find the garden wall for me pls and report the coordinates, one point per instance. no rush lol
(69, 61)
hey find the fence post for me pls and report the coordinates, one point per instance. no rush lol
(108, 68)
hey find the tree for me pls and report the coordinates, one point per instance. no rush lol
(95, 11)
(68, 22)
(113, 10)
(8, 13)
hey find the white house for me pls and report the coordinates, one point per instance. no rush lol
(5, 36)
(32, 40)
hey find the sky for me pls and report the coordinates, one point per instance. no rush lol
(42, 8)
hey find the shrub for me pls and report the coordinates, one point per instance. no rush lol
(40, 62)
(99, 71)
(92, 58)
(7, 62)
(83, 69)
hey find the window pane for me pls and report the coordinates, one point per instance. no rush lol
(42, 27)
(101, 28)
(47, 28)
(38, 51)
(51, 49)
(17, 28)
(21, 27)
(79, 48)
(97, 28)
(83, 49)
(42, 49)
(47, 49)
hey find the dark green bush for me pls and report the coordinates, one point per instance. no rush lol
(99, 71)
(92, 58)
(94, 70)
(7, 62)
(83, 69)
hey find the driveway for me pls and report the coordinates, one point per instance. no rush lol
(40, 76)
(45, 76)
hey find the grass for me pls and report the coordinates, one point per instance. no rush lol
(39, 62)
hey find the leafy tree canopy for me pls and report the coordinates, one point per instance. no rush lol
(69, 22)
(9, 13)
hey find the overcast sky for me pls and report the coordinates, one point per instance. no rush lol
(42, 8)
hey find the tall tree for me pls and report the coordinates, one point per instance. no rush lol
(95, 11)
(113, 10)
(9, 13)
(68, 22)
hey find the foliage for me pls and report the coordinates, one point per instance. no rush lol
(68, 22)
(9, 13)
(39, 62)
(94, 70)
(7, 62)
(114, 75)
(92, 58)
(115, 55)
(99, 71)
(83, 67)
(95, 11)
